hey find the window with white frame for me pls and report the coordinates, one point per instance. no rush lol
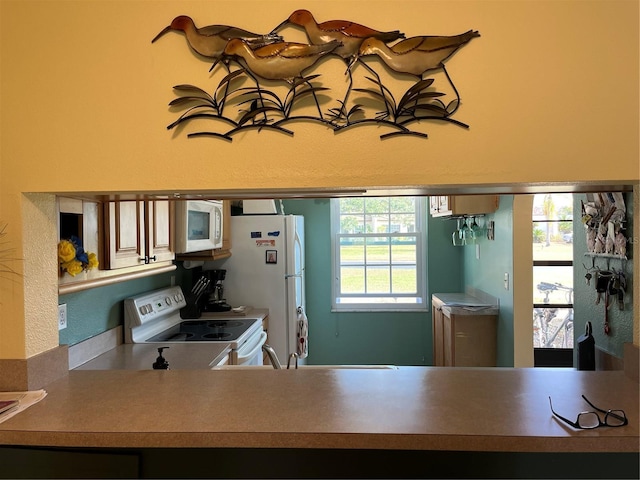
(378, 251)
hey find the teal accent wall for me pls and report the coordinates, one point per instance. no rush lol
(398, 338)
(94, 311)
(487, 273)
(585, 307)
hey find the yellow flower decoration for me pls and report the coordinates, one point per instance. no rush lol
(66, 251)
(93, 261)
(73, 267)
(73, 259)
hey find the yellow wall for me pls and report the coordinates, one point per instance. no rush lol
(550, 91)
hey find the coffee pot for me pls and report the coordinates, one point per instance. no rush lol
(216, 301)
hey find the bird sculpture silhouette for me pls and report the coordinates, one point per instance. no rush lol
(269, 58)
(280, 61)
(210, 41)
(348, 33)
(416, 55)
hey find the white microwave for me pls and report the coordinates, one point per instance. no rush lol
(198, 225)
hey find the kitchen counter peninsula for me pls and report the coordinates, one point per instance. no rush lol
(141, 356)
(411, 409)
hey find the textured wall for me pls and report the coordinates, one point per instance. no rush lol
(87, 111)
(586, 309)
(40, 270)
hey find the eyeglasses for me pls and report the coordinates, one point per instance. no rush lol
(587, 420)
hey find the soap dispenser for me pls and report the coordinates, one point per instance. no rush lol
(161, 362)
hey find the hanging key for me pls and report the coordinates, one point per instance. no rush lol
(622, 283)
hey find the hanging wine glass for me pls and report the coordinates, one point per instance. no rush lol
(457, 236)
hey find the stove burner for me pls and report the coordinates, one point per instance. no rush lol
(217, 336)
(179, 337)
(193, 323)
(223, 324)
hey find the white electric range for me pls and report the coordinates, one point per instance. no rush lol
(154, 318)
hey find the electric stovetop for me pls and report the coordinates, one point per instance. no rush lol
(204, 331)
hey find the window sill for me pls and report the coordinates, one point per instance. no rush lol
(379, 310)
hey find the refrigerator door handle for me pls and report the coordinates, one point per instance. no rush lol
(293, 275)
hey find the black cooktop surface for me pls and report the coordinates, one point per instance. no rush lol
(204, 331)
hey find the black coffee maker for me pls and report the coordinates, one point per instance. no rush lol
(215, 301)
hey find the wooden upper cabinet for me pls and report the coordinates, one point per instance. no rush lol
(452, 205)
(159, 230)
(125, 234)
(137, 233)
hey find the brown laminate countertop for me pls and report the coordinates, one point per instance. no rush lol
(141, 356)
(412, 408)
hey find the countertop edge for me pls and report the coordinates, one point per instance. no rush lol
(341, 441)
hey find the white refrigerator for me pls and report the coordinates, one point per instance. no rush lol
(266, 270)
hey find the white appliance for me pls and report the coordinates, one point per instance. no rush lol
(266, 270)
(198, 225)
(154, 318)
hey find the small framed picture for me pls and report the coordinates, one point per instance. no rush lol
(271, 256)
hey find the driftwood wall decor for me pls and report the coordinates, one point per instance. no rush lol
(256, 66)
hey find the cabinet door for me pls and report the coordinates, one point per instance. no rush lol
(463, 205)
(438, 204)
(449, 341)
(126, 234)
(158, 214)
(475, 339)
(433, 204)
(444, 203)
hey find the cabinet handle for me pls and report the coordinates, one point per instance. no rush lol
(152, 259)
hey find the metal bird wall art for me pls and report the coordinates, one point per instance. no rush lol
(284, 90)
(348, 33)
(211, 41)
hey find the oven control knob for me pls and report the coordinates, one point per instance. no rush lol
(167, 300)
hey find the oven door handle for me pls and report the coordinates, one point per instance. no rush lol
(258, 346)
